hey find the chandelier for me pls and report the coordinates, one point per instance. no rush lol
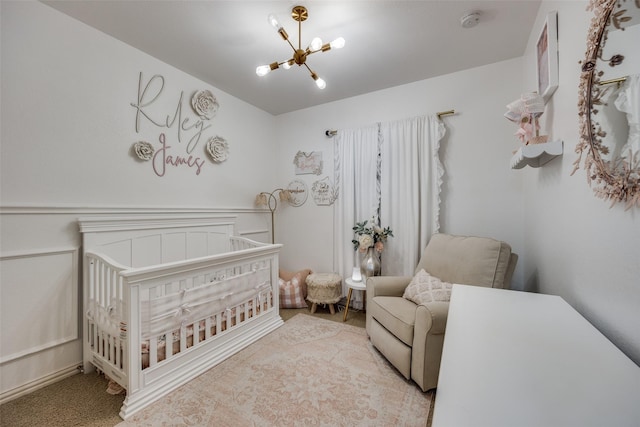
(299, 13)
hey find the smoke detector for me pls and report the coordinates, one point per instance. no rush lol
(470, 19)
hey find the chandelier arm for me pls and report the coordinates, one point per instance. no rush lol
(309, 51)
(291, 44)
(310, 70)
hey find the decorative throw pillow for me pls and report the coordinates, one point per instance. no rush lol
(425, 288)
(291, 294)
(300, 275)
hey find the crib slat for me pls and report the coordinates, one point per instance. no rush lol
(100, 346)
(168, 345)
(125, 351)
(103, 290)
(92, 281)
(153, 351)
(112, 350)
(196, 334)
(92, 335)
(183, 338)
(116, 356)
(108, 284)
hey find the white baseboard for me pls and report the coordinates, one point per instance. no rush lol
(39, 383)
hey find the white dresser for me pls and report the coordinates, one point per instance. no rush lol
(517, 359)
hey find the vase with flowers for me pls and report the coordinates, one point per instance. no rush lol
(369, 241)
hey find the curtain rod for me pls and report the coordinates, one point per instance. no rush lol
(608, 82)
(332, 132)
(445, 113)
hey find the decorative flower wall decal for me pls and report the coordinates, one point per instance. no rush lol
(218, 149)
(204, 104)
(143, 150)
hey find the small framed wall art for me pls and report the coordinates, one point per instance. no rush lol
(308, 163)
(547, 56)
(297, 193)
(323, 192)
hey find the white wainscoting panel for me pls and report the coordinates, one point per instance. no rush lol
(38, 301)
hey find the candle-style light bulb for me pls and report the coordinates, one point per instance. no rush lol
(274, 21)
(316, 44)
(263, 70)
(337, 43)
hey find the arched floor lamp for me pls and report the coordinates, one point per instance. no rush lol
(269, 200)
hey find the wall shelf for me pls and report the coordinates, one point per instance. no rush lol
(536, 155)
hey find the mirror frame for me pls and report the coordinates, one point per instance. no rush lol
(618, 180)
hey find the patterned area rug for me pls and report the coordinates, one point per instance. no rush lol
(310, 371)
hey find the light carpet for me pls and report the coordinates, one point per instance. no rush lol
(309, 371)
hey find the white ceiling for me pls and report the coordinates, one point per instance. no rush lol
(388, 43)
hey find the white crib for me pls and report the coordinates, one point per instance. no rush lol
(167, 297)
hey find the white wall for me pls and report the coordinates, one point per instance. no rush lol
(67, 130)
(481, 194)
(575, 245)
(68, 122)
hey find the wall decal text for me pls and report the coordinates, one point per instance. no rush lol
(161, 159)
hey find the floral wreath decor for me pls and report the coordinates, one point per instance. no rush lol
(619, 181)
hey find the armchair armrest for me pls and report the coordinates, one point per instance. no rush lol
(428, 338)
(392, 286)
(431, 318)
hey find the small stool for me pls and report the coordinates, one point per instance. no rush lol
(324, 288)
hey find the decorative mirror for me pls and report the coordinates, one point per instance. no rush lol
(609, 102)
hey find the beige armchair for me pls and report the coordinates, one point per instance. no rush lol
(410, 336)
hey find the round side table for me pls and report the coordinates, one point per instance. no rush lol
(358, 286)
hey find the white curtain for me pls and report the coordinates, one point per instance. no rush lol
(391, 171)
(411, 177)
(356, 168)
